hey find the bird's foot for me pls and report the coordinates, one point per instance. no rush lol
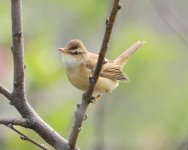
(93, 99)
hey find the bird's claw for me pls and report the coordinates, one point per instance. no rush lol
(92, 99)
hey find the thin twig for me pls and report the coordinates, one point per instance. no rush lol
(5, 92)
(14, 121)
(80, 113)
(25, 137)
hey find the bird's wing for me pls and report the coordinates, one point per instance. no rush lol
(113, 71)
(91, 61)
(110, 70)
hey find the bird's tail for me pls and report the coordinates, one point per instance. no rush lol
(122, 59)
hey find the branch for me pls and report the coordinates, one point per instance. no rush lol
(5, 92)
(9, 122)
(18, 98)
(87, 96)
(25, 137)
(14, 121)
(18, 46)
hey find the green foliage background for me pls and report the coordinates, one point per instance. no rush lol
(148, 113)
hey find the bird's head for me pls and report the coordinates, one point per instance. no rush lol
(73, 52)
(73, 48)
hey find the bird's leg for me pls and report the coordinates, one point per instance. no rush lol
(98, 96)
(94, 98)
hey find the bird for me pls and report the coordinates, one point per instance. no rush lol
(80, 65)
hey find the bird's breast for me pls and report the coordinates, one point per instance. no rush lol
(78, 75)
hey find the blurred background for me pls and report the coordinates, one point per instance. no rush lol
(148, 113)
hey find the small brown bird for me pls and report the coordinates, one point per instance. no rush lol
(80, 65)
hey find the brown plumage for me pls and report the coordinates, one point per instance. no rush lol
(80, 65)
(110, 70)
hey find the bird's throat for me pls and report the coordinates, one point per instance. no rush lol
(70, 62)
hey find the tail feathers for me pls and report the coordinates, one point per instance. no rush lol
(122, 59)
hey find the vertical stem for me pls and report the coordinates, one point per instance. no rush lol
(79, 117)
(17, 47)
(104, 47)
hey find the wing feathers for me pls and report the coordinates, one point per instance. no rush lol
(110, 69)
(113, 72)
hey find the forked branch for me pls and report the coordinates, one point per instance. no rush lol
(17, 97)
(27, 138)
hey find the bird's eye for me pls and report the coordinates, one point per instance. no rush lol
(75, 53)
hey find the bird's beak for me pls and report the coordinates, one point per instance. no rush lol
(63, 50)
